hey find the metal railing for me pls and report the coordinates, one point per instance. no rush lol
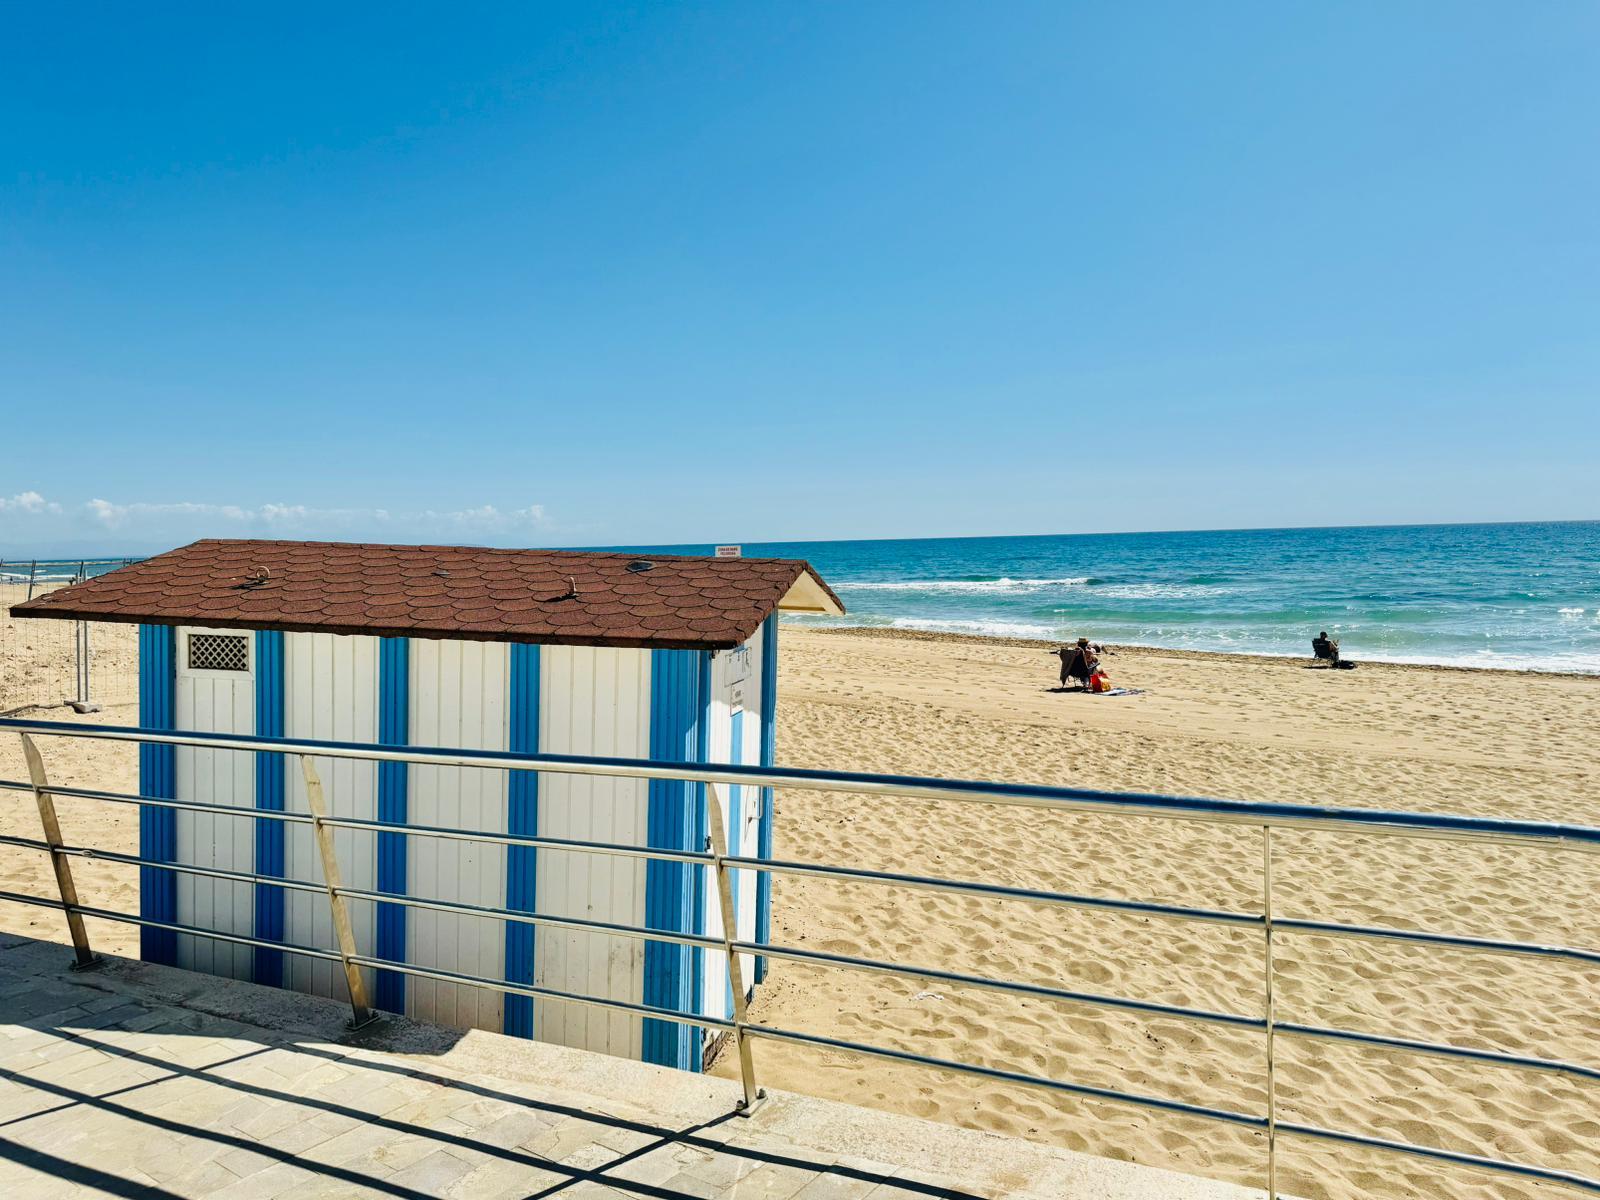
(1266, 817)
(24, 580)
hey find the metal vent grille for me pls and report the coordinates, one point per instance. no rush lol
(218, 652)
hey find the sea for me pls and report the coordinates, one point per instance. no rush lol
(1519, 596)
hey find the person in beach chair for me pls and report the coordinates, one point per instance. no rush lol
(1327, 650)
(1078, 662)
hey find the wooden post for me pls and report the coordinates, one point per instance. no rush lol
(84, 957)
(361, 1010)
(730, 934)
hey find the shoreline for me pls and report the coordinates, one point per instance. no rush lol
(1142, 649)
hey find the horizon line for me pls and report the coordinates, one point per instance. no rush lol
(944, 537)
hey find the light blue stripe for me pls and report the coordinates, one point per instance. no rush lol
(675, 821)
(394, 729)
(158, 827)
(522, 817)
(269, 856)
(735, 825)
(769, 740)
(701, 840)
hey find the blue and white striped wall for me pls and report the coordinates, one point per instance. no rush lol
(579, 700)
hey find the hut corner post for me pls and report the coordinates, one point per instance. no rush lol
(83, 957)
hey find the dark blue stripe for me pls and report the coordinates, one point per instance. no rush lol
(677, 685)
(158, 827)
(522, 817)
(269, 797)
(769, 741)
(394, 729)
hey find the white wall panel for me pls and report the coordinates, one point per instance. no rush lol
(747, 836)
(459, 699)
(593, 700)
(330, 693)
(215, 702)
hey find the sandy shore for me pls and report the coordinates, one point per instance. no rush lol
(1408, 737)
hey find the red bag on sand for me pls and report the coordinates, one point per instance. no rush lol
(1098, 682)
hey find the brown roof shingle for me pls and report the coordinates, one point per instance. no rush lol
(455, 592)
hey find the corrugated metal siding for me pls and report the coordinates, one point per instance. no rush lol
(459, 699)
(680, 684)
(214, 702)
(330, 692)
(595, 701)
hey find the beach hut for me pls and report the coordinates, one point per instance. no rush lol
(658, 656)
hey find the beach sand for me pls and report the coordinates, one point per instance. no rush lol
(1423, 738)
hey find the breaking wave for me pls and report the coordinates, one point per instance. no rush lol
(1002, 584)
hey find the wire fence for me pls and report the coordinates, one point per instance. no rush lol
(1265, 921)
(48, 664)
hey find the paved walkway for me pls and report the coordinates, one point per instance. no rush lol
(133, 1080)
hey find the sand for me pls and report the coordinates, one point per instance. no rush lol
(1475, 742)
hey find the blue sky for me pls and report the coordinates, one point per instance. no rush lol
(565, 275)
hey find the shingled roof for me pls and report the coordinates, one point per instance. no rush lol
(560, 597)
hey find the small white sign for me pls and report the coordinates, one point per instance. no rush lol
(730, 551)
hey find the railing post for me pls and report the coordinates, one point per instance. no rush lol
(1272, 1082)
(730, 933)
(84, 957)
(362, 1013)
(81, 651)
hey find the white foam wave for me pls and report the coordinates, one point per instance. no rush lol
(1162, 591)
(964, 585)
(1015, 629)
(1571, 612)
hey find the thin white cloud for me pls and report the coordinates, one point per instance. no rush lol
(297, 517)
(32, 523)
(28, 502)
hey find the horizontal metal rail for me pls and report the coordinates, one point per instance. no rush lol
(1498, 1166)
(1493, 1058)
(1044, 1082)
(1545, 835)
(1304, 817)
(577, 924)
(384, 964)
(1446, 941)
(1150, 1008)
(1139, 908)
(847, 874)
(441, 831)
(825, 959)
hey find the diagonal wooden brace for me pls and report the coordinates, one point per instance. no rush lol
(362, 1013)
(753, 1095)
(84, 957)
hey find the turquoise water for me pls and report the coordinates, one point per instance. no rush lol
(1521, 596)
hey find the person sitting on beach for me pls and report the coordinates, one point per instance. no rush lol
(1077, 662)
(1325, 648)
